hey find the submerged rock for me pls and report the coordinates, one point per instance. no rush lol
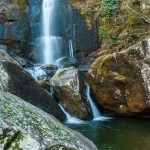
(23, 126)
(121, 81)
(14, 79)
(69, 91)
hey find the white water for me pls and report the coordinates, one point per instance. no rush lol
(36, 72)
(70, 119)
(51, 43)
(96, 114)
(70, 48)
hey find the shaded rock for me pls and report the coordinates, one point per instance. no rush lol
(23, 126)
(66, 62)
(84, 67)
(68, 89)
(44, 84)
(50, 69)
(121, 81)
(16, 80)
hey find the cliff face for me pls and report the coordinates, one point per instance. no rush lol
(120, 23)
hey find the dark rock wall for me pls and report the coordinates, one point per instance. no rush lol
(20, 27)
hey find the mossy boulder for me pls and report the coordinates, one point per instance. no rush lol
(68, 88)
(14, 79)
(120, 81)
(23, 126)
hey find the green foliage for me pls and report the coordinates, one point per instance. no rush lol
(114, 38)
(108, 7)
(103, 33)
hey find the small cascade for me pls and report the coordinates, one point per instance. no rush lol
(70, 119)
(70, 48)
(94, 109)
(36, 72)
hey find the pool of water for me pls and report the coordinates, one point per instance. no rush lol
(117, 134)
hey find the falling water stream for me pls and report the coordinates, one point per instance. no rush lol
(70, 48)
(95, 112)
(52, 43)
(71, 119)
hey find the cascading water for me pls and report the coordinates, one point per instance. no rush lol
(52, 43)
(36, 72)
(94, 109)
(70, 48)
(70, 119)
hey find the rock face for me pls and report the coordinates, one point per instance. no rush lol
(121, 81)
(14, 26)
(68, 90)
(18, 82)
(23, 126)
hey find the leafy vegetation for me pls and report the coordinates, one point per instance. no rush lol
(108, 7)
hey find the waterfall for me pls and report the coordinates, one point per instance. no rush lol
(70, 48)
(52, 43)
(95, 112)
(70, 119)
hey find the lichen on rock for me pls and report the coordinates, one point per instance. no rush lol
(23, 126)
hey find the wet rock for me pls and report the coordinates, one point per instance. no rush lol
(16, 80)
(23, 126)
(120, 81)
(68, 90)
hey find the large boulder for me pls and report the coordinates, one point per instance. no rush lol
(68, 90)
(23, 126)
(121, 81)
(14, 79)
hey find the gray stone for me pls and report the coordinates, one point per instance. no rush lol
(23, 126)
